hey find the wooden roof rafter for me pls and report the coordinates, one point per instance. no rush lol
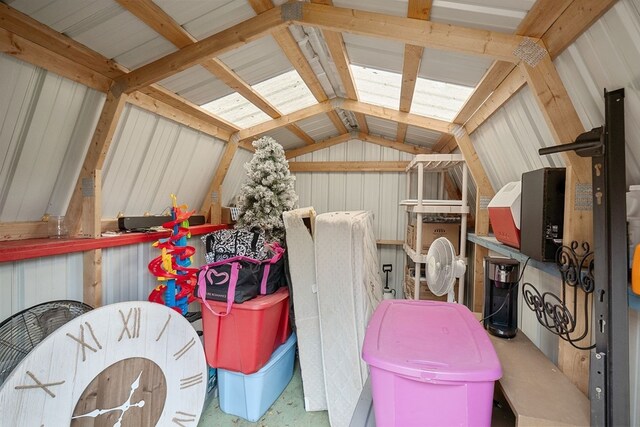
(156, 18)
(416, 9)
(293, 52)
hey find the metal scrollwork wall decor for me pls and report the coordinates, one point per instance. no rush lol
(576, 269)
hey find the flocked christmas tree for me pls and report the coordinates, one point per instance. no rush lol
(268, 190)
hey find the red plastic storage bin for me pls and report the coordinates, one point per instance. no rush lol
(244, 340)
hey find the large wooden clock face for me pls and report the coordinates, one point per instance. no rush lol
(126, 364)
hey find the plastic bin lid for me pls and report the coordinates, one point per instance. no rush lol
(261, 302)
(430, 340)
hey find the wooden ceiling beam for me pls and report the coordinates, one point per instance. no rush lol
(383, 166)
(537, 21)
(394, 115)
(396, 145)
(296, 152)
(338, 52)
(28, 28)
(409, 31)
(574, 20)
(161, 94)
(170, 112)
(417, 9)
(323, 107)
(156, 18)
(33, 53)
(445, 145)
(509, 86)
(188, 56)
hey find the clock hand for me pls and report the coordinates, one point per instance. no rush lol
(122, 408)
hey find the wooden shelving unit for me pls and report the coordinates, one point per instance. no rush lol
(416, 206)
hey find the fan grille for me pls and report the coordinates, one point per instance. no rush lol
(20, 333)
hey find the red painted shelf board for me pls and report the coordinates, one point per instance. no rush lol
(16, 250)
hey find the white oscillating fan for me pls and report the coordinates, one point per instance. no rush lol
(443, 268)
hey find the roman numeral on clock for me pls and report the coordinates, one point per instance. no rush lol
(190, 381)
(83, 344)
(134, 332)
(182, 417)
(178, 354)
(39, 384)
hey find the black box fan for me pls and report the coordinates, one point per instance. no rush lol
(20, 333)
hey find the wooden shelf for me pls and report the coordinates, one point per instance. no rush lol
(537, 391)
(16, 250)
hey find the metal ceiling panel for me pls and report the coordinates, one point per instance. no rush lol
(382, 127)
(152, 157)
(47, 124)
(318, 127)
(389, 7)
(237, 109)
(371, 52)
(258, 61)
(286, 92)
(422, 137)
(285, 138)
(498, 15)
(507, 144)
(227, 15)
(608, 56)
(438, 99)
(453, 67)
(196, 85)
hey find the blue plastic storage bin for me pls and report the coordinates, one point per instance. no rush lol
(249, 396)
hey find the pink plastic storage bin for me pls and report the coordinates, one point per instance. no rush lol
(244, 340)
(432, 364)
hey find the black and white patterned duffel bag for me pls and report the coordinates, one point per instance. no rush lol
(224, 244)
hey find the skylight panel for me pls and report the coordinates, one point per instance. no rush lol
(439, 100)
(236, 109)
(377, 87)
(287, 92)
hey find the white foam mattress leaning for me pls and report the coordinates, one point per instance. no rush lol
(302, 267)
(349, 290)
(336, 287)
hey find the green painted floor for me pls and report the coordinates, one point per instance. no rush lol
(288, 410)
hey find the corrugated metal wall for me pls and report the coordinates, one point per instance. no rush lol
(27, 283)
(379, 193)
(519, 129)
(47, 123)
(606, 56)
(151, 157)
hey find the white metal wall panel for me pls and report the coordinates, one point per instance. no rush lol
(379, 193)
(47, 125)
(608, 56)
(152, 157)
(507, 144)
(235, 176)
(30, 282)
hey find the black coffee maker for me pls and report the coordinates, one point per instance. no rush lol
(501, 296)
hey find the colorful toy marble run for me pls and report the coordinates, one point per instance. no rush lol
(172, 266)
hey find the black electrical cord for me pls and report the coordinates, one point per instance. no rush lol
(508, 292)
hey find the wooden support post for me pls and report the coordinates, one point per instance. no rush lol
(565, 126)
(93, 162)
(91, 226)
(213, 199)
(484, 193)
